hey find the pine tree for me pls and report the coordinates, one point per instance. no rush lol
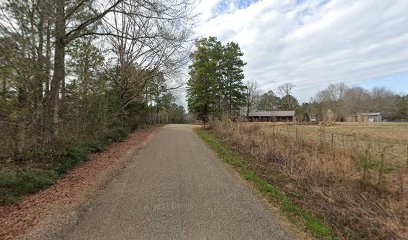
(215, 85)
(203, 90)
(233, 74)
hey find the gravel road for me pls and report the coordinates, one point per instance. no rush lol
(176, 188)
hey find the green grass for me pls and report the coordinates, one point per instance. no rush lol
(294, 213)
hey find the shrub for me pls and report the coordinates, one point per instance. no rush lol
(116, 134)
(14, 184)
(71, 155)
(35, 153)
(96, 146)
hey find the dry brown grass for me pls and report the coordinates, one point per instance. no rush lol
(353, 176)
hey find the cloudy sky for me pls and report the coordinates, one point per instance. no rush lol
(314, 43)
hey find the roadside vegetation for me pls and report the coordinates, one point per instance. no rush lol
(352, 177)
(356, 184)
(38, 170)
(216, 78)
(76, 76)
(242, 163)
(49, 206)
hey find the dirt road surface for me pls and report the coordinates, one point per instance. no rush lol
(176, 188)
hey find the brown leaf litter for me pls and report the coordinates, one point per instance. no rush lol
(35, 211)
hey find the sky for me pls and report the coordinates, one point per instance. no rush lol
(314, 43)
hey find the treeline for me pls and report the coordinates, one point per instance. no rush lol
(341, 99)
(282, 100)
(344, 100)
(87, 71)
(216, 87)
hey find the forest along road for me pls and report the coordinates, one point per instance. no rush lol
(176, 188)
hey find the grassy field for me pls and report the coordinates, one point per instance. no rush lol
(391, 139)
(392, 132)
(354, 177)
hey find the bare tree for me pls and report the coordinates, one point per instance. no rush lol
(146, 47)
(333, 98)
(148, 39)
(344, 100)
(286, 89)
(253, 95)
(26, 23)
(141, 14)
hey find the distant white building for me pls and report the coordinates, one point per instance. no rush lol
(364, 117)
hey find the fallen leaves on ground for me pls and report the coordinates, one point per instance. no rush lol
(69, 191)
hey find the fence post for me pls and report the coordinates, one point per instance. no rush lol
(273, 135)
(296, 136)
(332, 139)
(381, 167)
(407, 155)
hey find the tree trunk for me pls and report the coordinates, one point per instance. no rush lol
(48, 57)
(40, 60)
(59, 66)
(21, 124)
(45, 121)
(39, 77)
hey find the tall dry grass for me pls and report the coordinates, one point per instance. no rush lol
(350, 184)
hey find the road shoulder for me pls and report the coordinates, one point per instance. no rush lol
(45, 212)
(256, 185)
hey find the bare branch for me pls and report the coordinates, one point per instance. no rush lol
(75, 33)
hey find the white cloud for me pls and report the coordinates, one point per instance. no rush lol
(314, 43)
(205, 9)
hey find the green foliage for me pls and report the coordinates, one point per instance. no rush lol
(215, 85)
(61, 100)
(35, 154)
(71, 155)
(116, 134)
(268, 102)
(232, 88)
(274, 194)
(96, 146)
(14, 184)
(288, 103)
(76, 152)
(402, 108)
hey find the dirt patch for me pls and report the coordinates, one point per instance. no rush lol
(25, 218)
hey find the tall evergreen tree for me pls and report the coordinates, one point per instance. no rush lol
(288, 103)
(268, 101)
(203, 88)
(233, 74)
(215, 85)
